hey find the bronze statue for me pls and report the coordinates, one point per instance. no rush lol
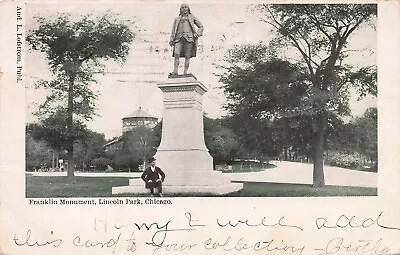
(184, 37)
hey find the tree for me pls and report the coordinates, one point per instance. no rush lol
(367, 127)
(141, 143)
(344, 138)
(89, 148)
(37, 153)
(262, 92)
(53, 130)
(222, 143)
(75, 51)
(136, 146)
(362, 133)
(320, 34)
(255, 136)
(354, 144)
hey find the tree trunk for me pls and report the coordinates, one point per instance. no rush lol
(318, 171)
(70, 131)
(52, 161)
(71, 164)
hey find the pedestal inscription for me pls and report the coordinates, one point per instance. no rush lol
(182, 154)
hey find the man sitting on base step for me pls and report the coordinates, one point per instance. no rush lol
(153, 177)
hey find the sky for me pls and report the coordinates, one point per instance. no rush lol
(123, 89)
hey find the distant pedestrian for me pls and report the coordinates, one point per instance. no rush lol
(153, 177)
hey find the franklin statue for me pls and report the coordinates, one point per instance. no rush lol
(184, 37)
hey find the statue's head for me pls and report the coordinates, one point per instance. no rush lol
(184, 9)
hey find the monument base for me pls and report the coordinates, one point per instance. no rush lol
(179, 161)
(188, 171)
(182, 154)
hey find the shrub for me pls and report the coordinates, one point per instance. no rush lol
(339, 159)
(101, 163)
(124, 162)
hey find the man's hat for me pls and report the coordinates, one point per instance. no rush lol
(151, 159)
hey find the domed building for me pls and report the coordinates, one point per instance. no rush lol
(138, 118)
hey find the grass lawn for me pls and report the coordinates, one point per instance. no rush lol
(257, 189)
(41, 187)
(57, 186)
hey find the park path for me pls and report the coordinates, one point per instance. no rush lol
(301, 173)
(285, 172)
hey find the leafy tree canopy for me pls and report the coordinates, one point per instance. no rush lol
(75, 51)
(320, 34)
(138, 145)
(73, 46)
(53, 130)
(264, 83)
(221, 141)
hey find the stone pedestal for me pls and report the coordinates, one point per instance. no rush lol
(182, 154)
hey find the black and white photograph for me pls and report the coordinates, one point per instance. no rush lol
(199, 127)
(266, 100)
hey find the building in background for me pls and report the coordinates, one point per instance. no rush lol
(137, 119)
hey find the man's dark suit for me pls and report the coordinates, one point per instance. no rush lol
(148, 175)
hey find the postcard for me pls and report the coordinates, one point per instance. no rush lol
(214, 127)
